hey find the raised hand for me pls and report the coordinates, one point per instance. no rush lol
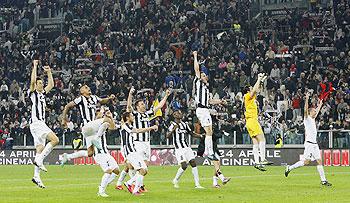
(35, 63)
(47, 69)
(132, 90)
(111, 97)
(167, 92)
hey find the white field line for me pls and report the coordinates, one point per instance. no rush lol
(148, 180)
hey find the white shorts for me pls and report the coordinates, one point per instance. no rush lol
(184, 155)
(39, 131)
(312, 151)
(90, 130)
(88, 141)
(204, 117)
(144, 148)
(136, 160)
(106, 162)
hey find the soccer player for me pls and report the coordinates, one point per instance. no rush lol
(134, 157)
(312, 151)
(253, 126)
(98, 128)
(142, 120)
(39, 130)
(87, 105)
(183, 152)
(203, 100)
(217, 171)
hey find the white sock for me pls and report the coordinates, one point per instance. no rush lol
(121, 178)
(296, 165)
(104, 182)
(111, 178)
(209, 144)
(132, 173)
(179, 173)
(78, 154)
(262, 149)
(321, 172)
(195, 175)
(132, 180)
(36, 169)
(256, 153)
(48, 148)
(222, 177)
(215, 181)
(138, 184)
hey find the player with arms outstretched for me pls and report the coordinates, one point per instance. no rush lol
(254, 129)
(312, 150)
(87, 105)
(38, 128)
(97, 128)
(183, 151)
(203, 100)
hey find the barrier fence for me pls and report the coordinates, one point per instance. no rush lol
(165, 156)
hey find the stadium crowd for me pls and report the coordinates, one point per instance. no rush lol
(147, 44)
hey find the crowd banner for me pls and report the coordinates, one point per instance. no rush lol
(228, 157)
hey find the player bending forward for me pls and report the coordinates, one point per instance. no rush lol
(98, 128)
(38, 128)
(253, 126)
(312, 151)
(183, 152)
(135, 158)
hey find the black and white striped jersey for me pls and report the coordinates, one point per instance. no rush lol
(87, 107)
(38, 105)
(103, 142)
(142, 120)
(179, 136)
(128, 139)
(201, 93)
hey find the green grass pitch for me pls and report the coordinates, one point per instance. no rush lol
(79, 184)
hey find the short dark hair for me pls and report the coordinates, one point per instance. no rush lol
(246, 89)
(125, 116)
(138, 101)
(39, 79)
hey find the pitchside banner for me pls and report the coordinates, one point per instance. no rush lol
(229, 157)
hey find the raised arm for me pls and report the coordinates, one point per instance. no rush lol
(50, 83)
(65, 111)
(319, 106)
(109, 119)
(257, 85)
(172, 129)
(107, 99)
(33, 75)
(162, 102)
(196, 65)
(129, 101)
(143, 130)
(306, 107)
(217, 101)
(194, 134)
